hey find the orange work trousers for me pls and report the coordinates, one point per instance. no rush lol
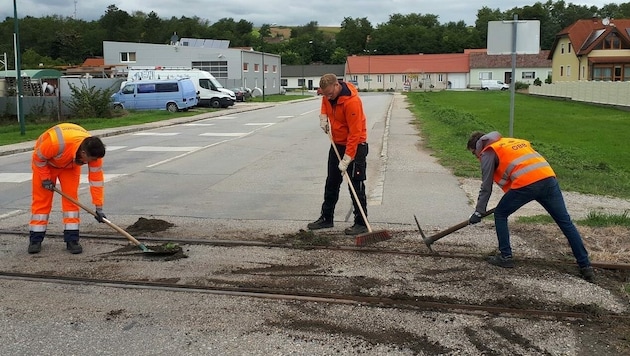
(42, 200)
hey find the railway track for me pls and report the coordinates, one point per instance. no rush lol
(236, 243)
(407, 302)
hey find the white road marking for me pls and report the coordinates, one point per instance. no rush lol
(224, 134)
(260, 124)
(25, 177)
(109, 148)
(198, 124)
(224, 118)
(162, 149)
(10, 214)
(285, 117)
(156, 133)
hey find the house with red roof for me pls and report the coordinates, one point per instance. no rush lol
(592, 49)
(528, 68)
(408, 72)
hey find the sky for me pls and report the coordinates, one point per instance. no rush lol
(279, 12)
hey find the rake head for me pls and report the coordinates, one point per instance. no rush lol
(371, 237)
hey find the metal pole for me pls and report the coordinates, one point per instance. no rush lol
(263, 75)
(18, 74)
(369, 71)
(303, 80)
(513, 83)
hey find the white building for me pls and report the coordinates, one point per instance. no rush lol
(232, 67)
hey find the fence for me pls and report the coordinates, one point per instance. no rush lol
(55, 105)
(607, 93)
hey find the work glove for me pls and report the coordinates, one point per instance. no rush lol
(344, 163)
(323, 123)
(100, 215)
(48, 184)
(475, 218)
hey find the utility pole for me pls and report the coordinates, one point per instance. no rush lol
(18, 74)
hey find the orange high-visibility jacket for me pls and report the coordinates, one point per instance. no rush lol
(519, 164)
(57, 147)
(347, 121)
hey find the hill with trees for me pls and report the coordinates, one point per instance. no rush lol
(54, 41)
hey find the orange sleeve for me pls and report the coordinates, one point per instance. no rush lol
(357, 130)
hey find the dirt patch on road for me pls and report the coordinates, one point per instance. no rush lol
(144, 225)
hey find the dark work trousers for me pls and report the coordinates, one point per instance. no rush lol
(356, 171)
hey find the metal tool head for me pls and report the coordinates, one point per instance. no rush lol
(427, 241)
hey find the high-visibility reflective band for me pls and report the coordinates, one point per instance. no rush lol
(96, 183)
(39, 217)
(40, 163)
(529, 169)
(71, 214)
(60, 140)
(38, 228)
(73, 226)
(95, 169)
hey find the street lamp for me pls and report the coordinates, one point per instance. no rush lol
(303, 78)
(263, 75)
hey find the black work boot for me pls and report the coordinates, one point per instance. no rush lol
(71, 237)
(321, 223)
(356, 229)
(35, 241)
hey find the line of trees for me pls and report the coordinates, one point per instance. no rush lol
(60, 41)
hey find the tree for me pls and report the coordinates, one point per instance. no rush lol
(353, 34)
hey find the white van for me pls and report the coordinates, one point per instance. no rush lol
(494, 85)
(170, 94)
(211, 92)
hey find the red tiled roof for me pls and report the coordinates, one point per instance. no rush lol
(408, 63)
(93, 62)
(586, 34)
(484, 60)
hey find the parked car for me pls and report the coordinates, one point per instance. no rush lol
(494, 85)
(170, 94)
(242, 94)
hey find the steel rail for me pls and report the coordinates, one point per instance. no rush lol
(407, 303)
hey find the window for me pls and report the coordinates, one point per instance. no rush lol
(284, 82)
(440, 77)
(266, 68)
(379, 78)
(245, 67)
(568, 71)
(485, 75)
(562, 71)
(166, 87)
(301, 82)
(256, 67)
(127, 57)
(146, 88)
(274, 68)
(128, 89)
(528, 75)
(611, 42)
(391, 78)
(562, 48)
(569, 48)
(611, 72)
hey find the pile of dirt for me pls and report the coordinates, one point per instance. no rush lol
(144, 225)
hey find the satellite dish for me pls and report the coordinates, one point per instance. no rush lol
(606, 21)
(256, 92)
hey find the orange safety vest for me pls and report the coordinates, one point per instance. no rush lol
(348, 124)
(519, 164)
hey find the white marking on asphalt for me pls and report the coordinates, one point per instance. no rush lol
(156, 133)
(109, 148)
(224, 134)
(224, 118)
(10, 214)
(260, 124)
(15, 177)
(285, 117)
(162, 149)
(198, 124)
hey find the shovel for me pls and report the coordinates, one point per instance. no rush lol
(429, 240)
(116, 227)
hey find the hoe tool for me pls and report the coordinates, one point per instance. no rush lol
(429, 240)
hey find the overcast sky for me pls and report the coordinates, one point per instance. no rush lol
(280, 12)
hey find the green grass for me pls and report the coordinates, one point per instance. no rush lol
(585, 144)
(11, 133)
(277, 98)
(593, 219)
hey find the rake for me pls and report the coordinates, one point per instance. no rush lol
(370, 236)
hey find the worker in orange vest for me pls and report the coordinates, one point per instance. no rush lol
(524, 175)
(58, 155)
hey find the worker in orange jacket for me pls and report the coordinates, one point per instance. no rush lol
(58, 155)
(342, 116)
(524, 175)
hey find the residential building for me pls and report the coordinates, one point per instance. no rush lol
(408, 72)
(592, 49)
(528, 68)
(307, 76)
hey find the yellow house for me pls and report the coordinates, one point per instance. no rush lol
(592, 49)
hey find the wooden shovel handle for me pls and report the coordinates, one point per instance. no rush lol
(111, 224)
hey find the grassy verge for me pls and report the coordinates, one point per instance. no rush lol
(585, 144)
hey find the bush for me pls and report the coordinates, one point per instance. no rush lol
(537, 82)
(90, 102)
(521, 85)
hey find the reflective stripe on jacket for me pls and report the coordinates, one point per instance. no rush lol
(519, 164)
(57, 147)
(347, 120)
